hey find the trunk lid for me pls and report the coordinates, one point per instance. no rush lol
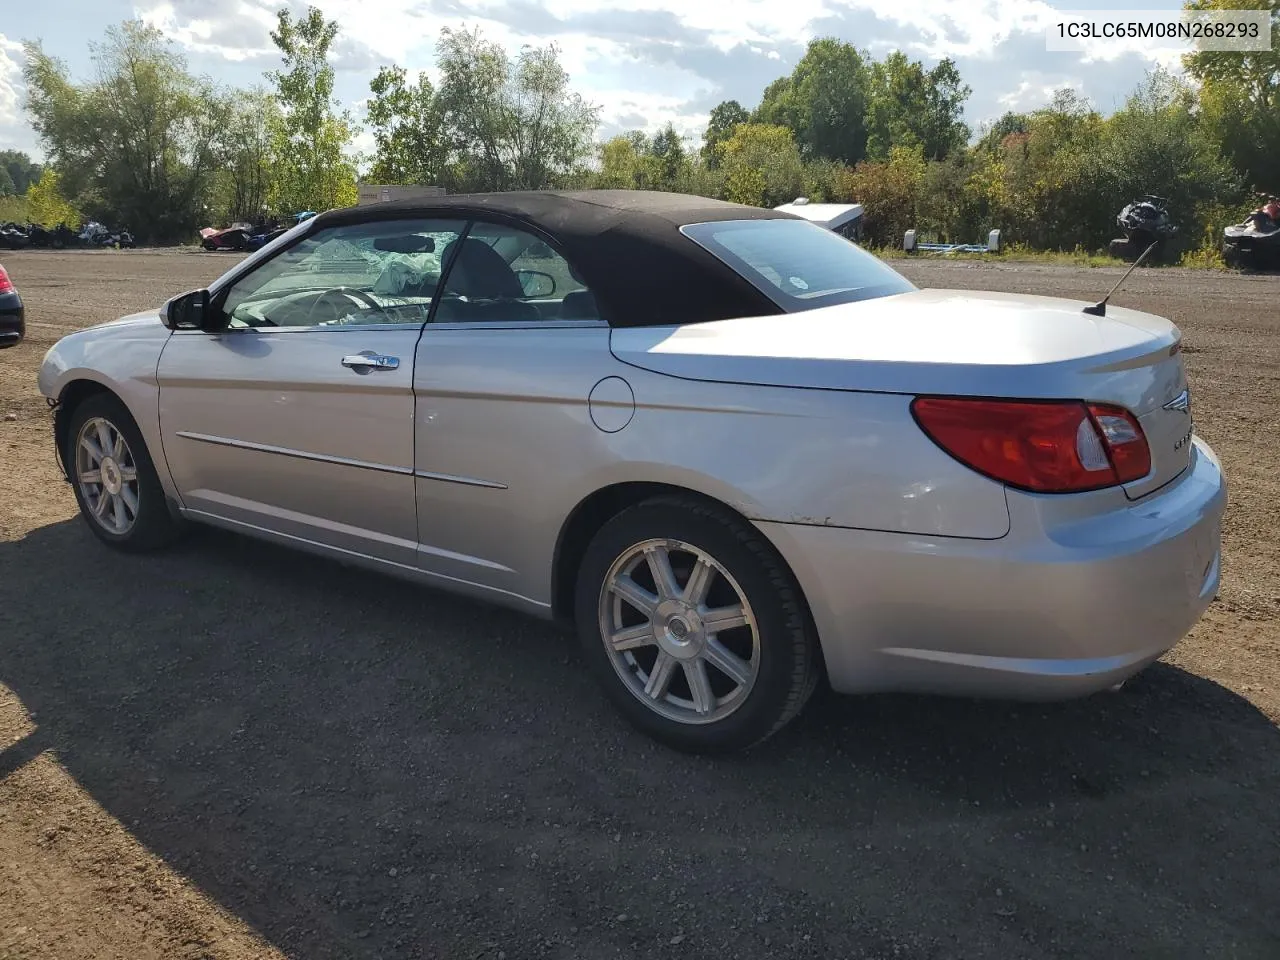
(948, 342)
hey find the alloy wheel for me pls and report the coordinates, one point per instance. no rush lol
(107, 475)
(679, 631)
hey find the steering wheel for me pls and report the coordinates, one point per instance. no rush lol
(330, 299)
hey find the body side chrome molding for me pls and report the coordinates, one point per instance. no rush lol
(340, 461)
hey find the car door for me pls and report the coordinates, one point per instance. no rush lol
(297, 419)
(503, 375)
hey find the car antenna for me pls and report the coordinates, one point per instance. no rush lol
(1099, 309)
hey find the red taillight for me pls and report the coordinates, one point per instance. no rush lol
(1047, 446)
(6, 285)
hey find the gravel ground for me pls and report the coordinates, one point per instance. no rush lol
(233, 751)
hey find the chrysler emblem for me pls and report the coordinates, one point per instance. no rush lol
(1181, 403)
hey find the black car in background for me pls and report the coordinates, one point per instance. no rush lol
(12, 323)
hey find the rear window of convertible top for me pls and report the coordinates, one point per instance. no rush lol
(797, 264)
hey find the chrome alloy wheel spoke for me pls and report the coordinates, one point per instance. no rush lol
(679, 631)
(107, 475)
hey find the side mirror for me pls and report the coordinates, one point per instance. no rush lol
(187, 311)
(536, 284)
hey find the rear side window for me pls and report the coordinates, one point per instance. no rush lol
(797, 264)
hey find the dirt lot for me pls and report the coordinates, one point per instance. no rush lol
(232, 751)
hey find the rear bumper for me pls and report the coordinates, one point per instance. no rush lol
(12, 321)
(1045, 613)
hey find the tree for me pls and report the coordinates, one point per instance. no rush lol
(511, 123)
(635, 161)
(1240, 98)
(19, 171)
(135, 146)
(312, 134)
(669, 161)
(620, 164)
(1010, 124)
(889, 191)
(247, 154)
(745, 184)
(45, 203)
(725, 117)
(909, 106)
(823, 102)
(761, 161)
(406, 125)
(1159, 144)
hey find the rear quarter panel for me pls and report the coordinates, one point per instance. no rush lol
(822, 457)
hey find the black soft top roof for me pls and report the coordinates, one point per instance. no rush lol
(625, 244)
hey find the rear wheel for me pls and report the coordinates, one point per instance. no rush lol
(694, 626)
(1239, 259)
(114, 478)
(1120, 248)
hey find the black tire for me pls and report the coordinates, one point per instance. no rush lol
(788, 660)
(1121, 249)
(153, 526)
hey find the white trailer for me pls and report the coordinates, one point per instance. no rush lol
(842, 218)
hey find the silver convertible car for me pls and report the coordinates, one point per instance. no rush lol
(739, 453)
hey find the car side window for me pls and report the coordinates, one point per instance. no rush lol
(384, 272)
(502, 274)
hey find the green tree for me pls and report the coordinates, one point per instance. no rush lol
(136, 145)
(511, 123)
(725, 118)
(312, 134)
(406, 125)
(1010, 124)
(1240, 98)
(744, 184)
(635, 161)
(765, 156)
(823, 102)
(909, 106)
(19, 171)
(247, 154)
(46, 204)
(670, 162)
(620, 164)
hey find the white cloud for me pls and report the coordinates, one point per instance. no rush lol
(645, 62)
(11, 87)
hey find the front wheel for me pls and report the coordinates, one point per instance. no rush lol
(114, 478)
(694, 626)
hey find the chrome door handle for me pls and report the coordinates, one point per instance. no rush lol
(368, 361)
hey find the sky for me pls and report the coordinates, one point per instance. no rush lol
(644, 62)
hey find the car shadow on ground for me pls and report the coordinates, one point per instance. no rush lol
(362, 767)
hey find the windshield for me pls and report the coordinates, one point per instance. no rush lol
(797, 264)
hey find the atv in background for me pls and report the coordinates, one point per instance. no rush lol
(96, 234)
(1255, 243)
(1144, 221)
